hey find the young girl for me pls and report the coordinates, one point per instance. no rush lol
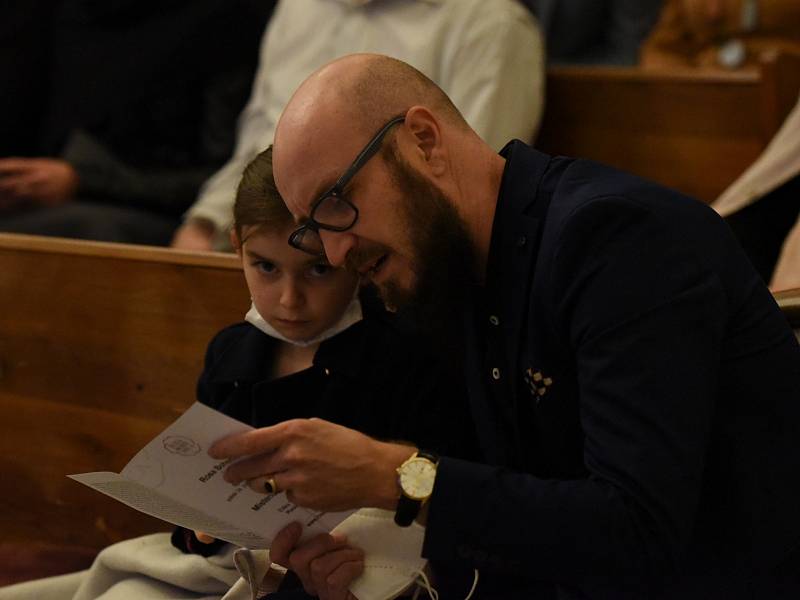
(312, 346)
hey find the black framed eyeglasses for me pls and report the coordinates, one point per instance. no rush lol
(331, 211)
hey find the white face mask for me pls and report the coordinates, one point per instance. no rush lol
(392, 554)
(351, 316)
(393, 561)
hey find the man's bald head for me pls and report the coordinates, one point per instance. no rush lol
(369, 89)
(335, 111)
(382, 87)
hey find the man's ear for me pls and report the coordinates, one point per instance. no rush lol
(427, 137)
(235, 243)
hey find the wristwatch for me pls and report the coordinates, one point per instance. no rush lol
(415, 477)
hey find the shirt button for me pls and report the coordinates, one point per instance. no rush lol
(495, 373)
(521, 241)
(327, 371)
(494, 320)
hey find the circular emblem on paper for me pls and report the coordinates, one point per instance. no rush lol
(177, 444)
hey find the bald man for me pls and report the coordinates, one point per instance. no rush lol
(634, 385)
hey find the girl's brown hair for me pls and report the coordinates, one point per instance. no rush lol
(258, 203)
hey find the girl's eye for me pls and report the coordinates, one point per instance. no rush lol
(265, 266)
(320, 270)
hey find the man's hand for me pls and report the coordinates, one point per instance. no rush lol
(196, 235)
(320, 465)
(38, 181)
(325, 564)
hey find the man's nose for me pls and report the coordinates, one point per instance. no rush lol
(337, 245)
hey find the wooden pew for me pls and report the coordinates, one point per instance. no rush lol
(100, 348)
(691, 130)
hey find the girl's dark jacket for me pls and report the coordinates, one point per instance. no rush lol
(374, 377)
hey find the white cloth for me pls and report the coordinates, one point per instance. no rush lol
(786, 275)
(487, 55)
(779, 163)
(144, 567)
(259, 575)
(151, 567)
(392, 555)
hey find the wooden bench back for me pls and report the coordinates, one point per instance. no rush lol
(690, 130)
(100, 348)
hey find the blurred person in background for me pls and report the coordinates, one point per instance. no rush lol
(726, 34)
(24, 59)
(600, 32)
(142, 101)
(762, 207)
(486, 54)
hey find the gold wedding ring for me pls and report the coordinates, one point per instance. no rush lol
(263, 485)
(270, 486)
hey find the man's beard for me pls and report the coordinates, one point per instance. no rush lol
(443, 259)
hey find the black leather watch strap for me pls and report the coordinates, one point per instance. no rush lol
(407, 511)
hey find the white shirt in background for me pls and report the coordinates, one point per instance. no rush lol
(487, 55)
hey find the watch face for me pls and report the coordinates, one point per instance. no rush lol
(416, 478)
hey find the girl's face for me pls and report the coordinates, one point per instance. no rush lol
(298, 294)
